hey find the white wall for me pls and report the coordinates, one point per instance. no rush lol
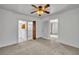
(9, 26)
(45, 29)
(68, 27)
(39, 25)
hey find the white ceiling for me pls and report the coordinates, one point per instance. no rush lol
(26, 9)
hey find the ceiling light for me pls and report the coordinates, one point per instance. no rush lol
(41, 9)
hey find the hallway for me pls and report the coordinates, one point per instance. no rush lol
(39, 47)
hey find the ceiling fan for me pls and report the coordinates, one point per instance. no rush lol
(41, 9)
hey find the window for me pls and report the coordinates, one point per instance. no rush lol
(54, 28)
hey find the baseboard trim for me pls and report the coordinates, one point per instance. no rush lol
(42, 38)
(8, 45)
(66, 43)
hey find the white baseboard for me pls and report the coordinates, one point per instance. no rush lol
(68, 43)
(8, 44)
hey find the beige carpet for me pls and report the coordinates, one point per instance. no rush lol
(39, 47)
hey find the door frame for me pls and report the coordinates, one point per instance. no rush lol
(34, 30)
(19, 38)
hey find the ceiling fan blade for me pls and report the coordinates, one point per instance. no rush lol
(46, 6)
(47, 12)
(34, 6)
(33, 12)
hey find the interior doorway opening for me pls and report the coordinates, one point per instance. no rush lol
(26, 30)
(34, 30)
(22, 31)
(54, 28)
(30, 29)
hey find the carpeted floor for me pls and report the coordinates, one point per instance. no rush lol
(39, 47)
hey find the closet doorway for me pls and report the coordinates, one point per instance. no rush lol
(32, 30)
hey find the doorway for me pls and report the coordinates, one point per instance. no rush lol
(26, 30)
(30, 28)
(22, 31)
(54, 28)
(34, 30)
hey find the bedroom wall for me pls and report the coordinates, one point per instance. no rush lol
(68, 27)
(46, 29)
(9, 27)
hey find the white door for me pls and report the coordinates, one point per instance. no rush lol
(30, 29)
(22, 31)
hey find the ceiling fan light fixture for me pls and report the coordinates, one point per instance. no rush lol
(41, 9)
(40, 12)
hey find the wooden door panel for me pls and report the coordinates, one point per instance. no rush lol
(34, 30)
